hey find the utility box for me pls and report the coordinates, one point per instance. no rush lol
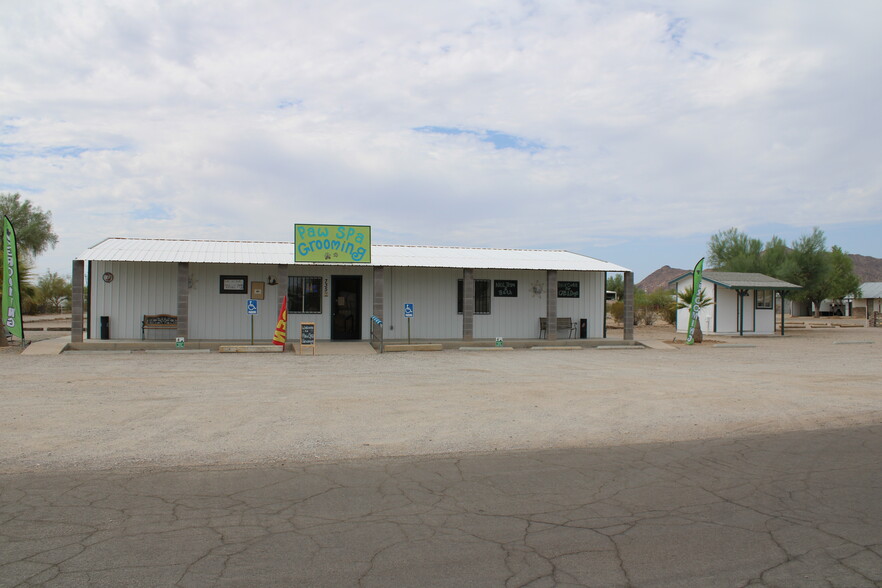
(583, 328)
(105, 327)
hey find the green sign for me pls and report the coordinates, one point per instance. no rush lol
(11, 309)
(332, 244)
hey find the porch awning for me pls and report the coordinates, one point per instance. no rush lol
(742, 281)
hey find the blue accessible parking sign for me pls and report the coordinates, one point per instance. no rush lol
(251, 306)
(408, 310)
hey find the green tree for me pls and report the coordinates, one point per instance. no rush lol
(53, 291)
(811, 268)
(775, 260)
(734, 251)
(33, 225)
(843, 281)
(616, 283)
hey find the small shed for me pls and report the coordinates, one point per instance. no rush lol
(742, 302)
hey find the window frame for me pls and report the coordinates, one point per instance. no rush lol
(487, 285)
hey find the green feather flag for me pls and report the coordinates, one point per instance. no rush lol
(11, 310)
(694, 308)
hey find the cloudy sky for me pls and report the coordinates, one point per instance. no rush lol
(627, 131)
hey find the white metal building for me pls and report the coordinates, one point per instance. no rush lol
(457, 293)
(742, 302)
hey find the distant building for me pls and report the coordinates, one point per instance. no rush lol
(870, 300)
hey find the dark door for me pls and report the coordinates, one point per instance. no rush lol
(345, 307)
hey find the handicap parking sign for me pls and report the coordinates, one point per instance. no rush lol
(408, 310)
(251, 306)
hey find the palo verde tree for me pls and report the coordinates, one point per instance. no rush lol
(33, 225)
(53, 291)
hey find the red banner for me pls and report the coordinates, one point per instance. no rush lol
(281, 335)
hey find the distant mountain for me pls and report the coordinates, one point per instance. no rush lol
(868, 269)
(660, 278)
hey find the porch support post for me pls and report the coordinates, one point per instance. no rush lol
(629, 307)
(468, 304)
(783, 294)
(379, 282)
(741, 295)
(183, 300)
(551, 305)
(282, 277)
(76, 301)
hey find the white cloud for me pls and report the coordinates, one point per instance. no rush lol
(235, 120)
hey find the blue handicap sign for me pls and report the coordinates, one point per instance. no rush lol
(251, 306)
(408, 310)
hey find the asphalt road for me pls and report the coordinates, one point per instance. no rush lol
(792, 509)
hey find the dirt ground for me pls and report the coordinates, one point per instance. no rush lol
(102, 410)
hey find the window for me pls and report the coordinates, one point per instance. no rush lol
(305, 294)
(482, 296)
(764, 299)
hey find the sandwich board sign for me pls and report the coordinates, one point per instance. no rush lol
(307, 336)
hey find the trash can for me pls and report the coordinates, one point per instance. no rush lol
(583, 328)
(105, 327)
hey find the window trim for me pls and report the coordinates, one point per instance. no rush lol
(766, 305)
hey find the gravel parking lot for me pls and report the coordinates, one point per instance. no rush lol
(103, 410)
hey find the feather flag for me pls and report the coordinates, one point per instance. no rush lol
(694, 308)
(11, 293)
(280, 337)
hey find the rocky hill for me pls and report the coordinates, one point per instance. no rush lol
(868, 269)
(660, 278)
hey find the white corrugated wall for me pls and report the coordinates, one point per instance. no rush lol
(434, 291)
(142, 288)
(136, 289)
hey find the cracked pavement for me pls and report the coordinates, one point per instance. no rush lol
(789, 509)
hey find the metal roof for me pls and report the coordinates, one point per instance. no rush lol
(273, 253)
(743, 281)
(871, 290)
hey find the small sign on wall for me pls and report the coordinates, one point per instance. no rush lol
(257, 290)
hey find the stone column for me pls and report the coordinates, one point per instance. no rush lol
(629, 307)
(76, 301)
(183, 300)
(468, 304)
(551, 305)
(282, 277)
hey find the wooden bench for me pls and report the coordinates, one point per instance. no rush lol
(158, 321)
(563, 324)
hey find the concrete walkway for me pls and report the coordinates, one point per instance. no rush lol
(47, 346)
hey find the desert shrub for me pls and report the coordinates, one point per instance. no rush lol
(617, 310)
